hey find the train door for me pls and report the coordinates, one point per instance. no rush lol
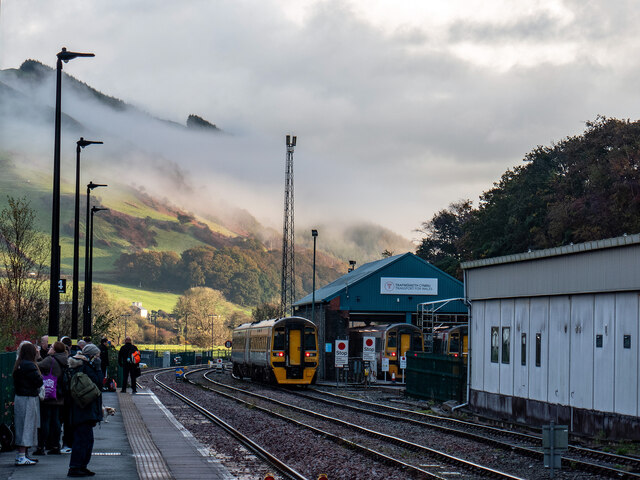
(405, 343)
(295, 344)
(295, 354)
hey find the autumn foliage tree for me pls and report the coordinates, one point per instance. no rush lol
(583, 188)
(23, 253)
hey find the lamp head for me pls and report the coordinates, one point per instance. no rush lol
(92, 185)
(95, 209)
(65, 56)
(314, 233)
(83, 143)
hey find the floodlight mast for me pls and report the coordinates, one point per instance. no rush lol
(287, 287)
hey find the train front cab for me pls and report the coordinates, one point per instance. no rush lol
(294, 352)
(398, 341)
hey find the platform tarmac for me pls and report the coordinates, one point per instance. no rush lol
(142, 441)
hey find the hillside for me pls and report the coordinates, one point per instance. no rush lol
(163, 231)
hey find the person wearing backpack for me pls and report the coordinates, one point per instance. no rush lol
(53, 367)
(129, 366)
(85, 410)
(26, 407)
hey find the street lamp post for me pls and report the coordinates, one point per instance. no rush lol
(314, 234)
(186, 321)
(88, 289)
(154, 317)
(126, 321)
(86, 306)
(54, 275)
(76, 239)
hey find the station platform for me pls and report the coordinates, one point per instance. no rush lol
(142, 441)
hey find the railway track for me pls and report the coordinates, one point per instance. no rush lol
(535, 441)
(280, 467)
(466, 466)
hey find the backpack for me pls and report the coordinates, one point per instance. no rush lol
(50, 383)
(135, 357)
(83, 390)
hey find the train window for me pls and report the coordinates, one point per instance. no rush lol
(278, 339)
(416, 342)
(523, 349)
(309, 339)
(506, 344)
(598, 341)
(454, 343)
(626, 341)
(538, 349)
(392, 340)
(495, 345)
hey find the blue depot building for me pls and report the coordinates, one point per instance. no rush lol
(386, 291)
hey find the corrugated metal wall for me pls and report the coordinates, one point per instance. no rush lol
(588, 350)
(608, 270)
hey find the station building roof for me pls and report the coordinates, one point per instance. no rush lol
(393, 284)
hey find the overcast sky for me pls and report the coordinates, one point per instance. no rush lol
(400, 107)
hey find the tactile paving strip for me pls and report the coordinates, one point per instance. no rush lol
(149, 461)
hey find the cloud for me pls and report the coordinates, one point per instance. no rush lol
(399, 109)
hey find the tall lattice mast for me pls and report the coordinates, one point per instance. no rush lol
(288, 289)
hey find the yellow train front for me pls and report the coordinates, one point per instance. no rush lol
(391, 342)
(282, 351)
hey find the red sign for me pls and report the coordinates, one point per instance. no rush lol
(369, 342)
(341, 346)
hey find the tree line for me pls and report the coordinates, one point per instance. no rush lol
(582, 188)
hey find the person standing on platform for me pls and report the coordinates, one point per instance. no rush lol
(83, 419)
(104, 355)
(55, 364)
(27, 381)
(44, 346)
(128, 368)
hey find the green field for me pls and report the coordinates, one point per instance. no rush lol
(150, 300)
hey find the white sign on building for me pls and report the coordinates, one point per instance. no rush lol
(368, 349)
(342, 353)
(408, 286)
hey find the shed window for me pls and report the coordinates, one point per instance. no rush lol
(626, 341)
(538, 349)
(495, 344)
(506, 344)
(523, 349)
(598, 341)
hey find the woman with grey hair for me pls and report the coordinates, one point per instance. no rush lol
(27, 381)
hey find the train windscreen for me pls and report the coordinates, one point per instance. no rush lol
(278, 339)
(309, 338)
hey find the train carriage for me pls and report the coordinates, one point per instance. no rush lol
(283, 351)
(391, 341)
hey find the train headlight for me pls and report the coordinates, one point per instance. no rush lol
(309, 354)
(278, 354)
(393, 354)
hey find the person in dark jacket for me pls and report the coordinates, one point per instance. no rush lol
(26, 408)
(83, 419)
(55, 364)
(128, 368)
(104, 355)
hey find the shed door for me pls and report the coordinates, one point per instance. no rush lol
(405, 343)
(295, 337)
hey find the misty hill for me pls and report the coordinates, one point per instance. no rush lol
(163, 207)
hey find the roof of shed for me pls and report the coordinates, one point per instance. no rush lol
(625, 240)
(333, 289)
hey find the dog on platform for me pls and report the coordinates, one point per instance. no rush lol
(108, 412)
